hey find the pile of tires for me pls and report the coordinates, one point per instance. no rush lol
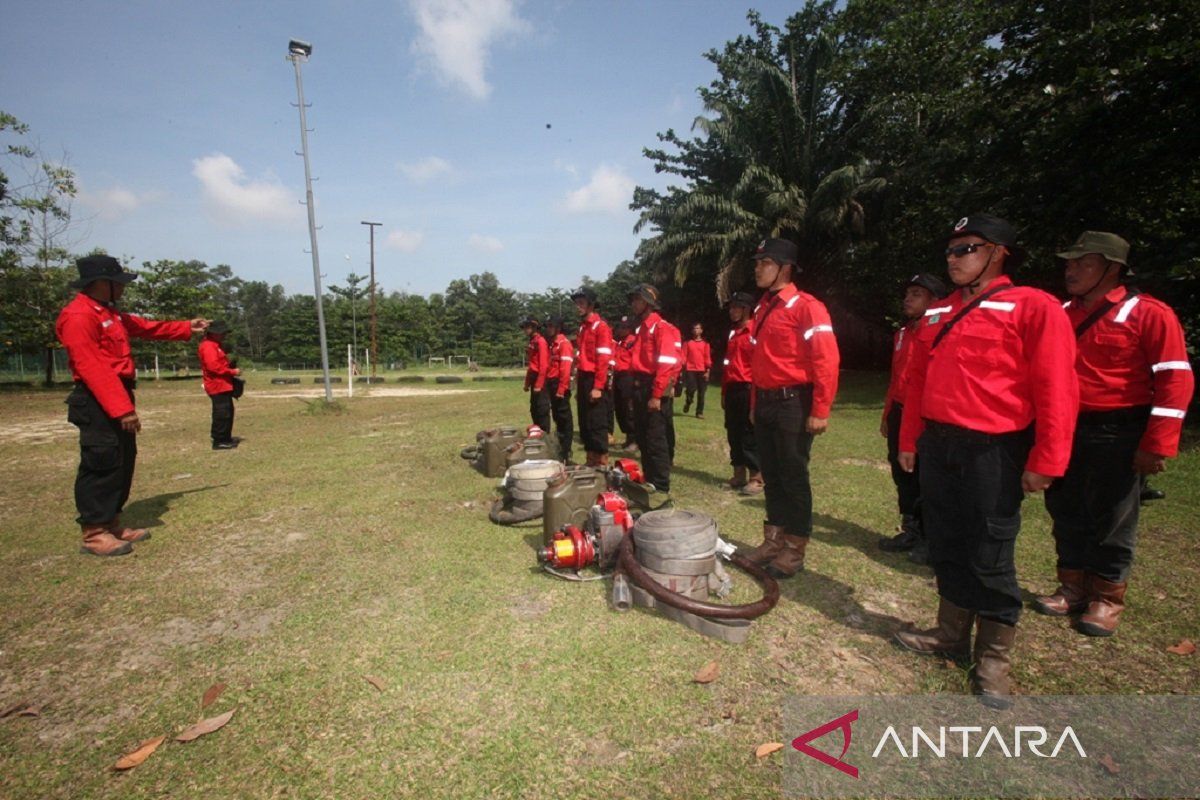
(523, 489)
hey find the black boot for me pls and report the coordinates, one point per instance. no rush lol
(906, 539)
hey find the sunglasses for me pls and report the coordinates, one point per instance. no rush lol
(960, 250)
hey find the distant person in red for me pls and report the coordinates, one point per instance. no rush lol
(594, 354)
(537, 370)
(656, 358)
(736, 387)
(623, 341)
(919, 293)
(96, 337)
(558, 385)
(1135, 383)
(697, 358)
(990, 407)
(218, 384)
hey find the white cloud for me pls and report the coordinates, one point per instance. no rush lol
(456, 36)
(404, 241)
(609, 191)
(485, 244)
(115, 202)
(567, 167)
(235, 200)
(426, 169)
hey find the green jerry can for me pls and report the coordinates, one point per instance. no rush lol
(531, 449)
(493, 445)
(569, 498)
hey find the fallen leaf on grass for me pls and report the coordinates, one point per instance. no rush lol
(708, 673)
(949, 663)
(376, 682)
(21, 710)
(205, 727)
(765, 749)
(143, 751)
(1110, 766)
(1185, 648)
(211, 695)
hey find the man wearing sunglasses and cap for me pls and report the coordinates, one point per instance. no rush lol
(987, 362)
(96, 337)
(1135, 383)
(657, 355)
(919, 294)
(219, 376)
(592, 397)
(794, 368)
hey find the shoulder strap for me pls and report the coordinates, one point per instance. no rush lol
(1099, 313)
(967, 309)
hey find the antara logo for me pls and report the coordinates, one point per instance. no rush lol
(842, 723)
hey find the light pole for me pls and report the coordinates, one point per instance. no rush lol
(300, 51)
(374, 342)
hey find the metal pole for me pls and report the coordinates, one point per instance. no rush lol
(349, 372)
(312, 227)
(374, 342)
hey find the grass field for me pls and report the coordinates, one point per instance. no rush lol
(335, 546)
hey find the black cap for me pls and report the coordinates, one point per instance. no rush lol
(530, 322)
(743, 299)
(586, 292)
(781, 251)
(100, 268)
(646, 292)
(554, 320)
(992, 228)
(928, 281)
(218, 326)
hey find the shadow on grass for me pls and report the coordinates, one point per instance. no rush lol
(850, 534)
(699, 475)
(148, 512)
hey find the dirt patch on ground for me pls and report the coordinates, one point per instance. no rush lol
(364, 392)
(37, 431)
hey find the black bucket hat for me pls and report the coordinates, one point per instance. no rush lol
(217, 326)
(530, 322)
(743, 299)
(928, 281)
(100, 268)
(587, 293)
(646, 292)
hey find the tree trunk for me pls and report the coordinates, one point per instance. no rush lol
(49, 366)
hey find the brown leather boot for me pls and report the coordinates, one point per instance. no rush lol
(739, 478)
(98, 541)
(771, 545)
(754, 485)
(1070, 597)
(790, 559)
(951, 637)
(1104, 611)
(601, 459)
(993, 662)
(127, 534)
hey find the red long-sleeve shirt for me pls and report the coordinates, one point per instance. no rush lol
(96, 337)
(595, 345)
(562, 355)
(623, 353)
(901, 353)
(1009, 361)
(214, 366)
(537, 362)
(657, 352)
(697, 355)
(1135, 355)
(738, 353)
(794, 344)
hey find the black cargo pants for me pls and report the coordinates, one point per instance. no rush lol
(739, 430)
(564, 421)
(106, 458)
(654, 432)
(222, 417)
(784, 449)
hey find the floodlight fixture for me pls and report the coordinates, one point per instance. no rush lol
(297, 47)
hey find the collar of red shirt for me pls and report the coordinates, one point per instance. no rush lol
(1115, 295)
(998, 282)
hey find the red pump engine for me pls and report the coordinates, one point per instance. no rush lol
(607, 523)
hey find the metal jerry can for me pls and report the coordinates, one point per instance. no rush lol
(569, 498)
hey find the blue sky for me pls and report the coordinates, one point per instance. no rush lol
(429, 116)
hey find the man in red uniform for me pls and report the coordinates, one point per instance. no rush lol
(697, 361)
(594, 401)
(1135, 383)
(986, 363)
(558, 385)
(218, 384)
(795, 373)
(622, 390)
(96, 337)
(537, 369)
(735, 397)
(920, 291)
(656, 357)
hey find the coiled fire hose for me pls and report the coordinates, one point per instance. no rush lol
(627, 564)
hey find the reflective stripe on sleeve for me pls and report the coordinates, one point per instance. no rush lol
(606, 350)
(726, 362)
(565, 358)
(791, 302)
(996, 305)
(939, 310)
(668, 360)
(1173, 413)
(808, 334)
(1160, 366)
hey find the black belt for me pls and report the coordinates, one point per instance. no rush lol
(1117, 416)
(947, 431)
(128, 383)
(737, 384)
(783, 393)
